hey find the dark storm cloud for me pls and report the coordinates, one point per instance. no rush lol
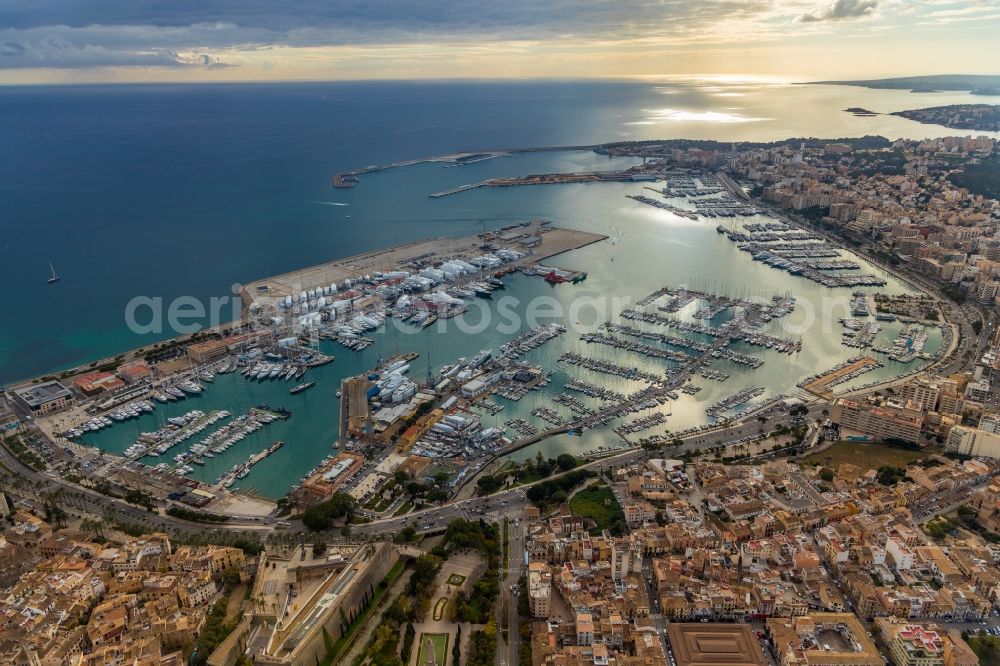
(86, 33)
(842, 9)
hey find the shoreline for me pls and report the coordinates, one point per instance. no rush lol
(540, 240)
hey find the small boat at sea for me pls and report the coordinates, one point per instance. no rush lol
(55, 277)
(301, 387)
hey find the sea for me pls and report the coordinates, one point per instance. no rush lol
(182, 191)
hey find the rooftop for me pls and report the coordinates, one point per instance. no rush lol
(39, 394)
(715, 645)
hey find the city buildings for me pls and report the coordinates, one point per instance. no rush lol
(884, 421)
(43, 398)
(82, 603)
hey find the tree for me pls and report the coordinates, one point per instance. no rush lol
(937, 529)
(408, 637)
(323, 515)
(890, 476)
(425, 568)
(565, 462)
(415, 489)
(231, 576)
(54, 512)
(407, 535)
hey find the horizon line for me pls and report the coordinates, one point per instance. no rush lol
(748, 78)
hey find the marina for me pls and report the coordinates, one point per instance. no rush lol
(640, 424)
(240, 471)
(670, 349)
(738, 398)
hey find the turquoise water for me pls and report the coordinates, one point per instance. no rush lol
(168, 191)
(647, 249)
(174, 190)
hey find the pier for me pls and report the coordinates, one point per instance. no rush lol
(745, 395)
(537, 240)
(820, 385)
(598, 392)
(608, 368)
(801, 253)
(656, 203)
(348, 179)
(241, 470)
(640, 424)
(635, 347)
(460, 188)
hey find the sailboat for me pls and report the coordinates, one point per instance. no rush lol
(54, 278)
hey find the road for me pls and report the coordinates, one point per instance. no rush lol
(655, 612)
(511, 500)
(939, 505)
(508, 655)
(432, 519)
(37, 484)
(425, 521)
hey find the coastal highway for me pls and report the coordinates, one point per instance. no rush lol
(37, 484)
(510, 501)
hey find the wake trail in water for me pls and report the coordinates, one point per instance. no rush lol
(332, 203)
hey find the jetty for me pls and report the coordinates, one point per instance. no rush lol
(537, 240)
(821, 384)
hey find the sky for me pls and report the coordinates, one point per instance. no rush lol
(92, 41)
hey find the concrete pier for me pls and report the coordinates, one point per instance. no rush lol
(553, 241)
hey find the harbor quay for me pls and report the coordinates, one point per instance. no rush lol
(535, 240)
(198, 459)
(198, 452)
(336, 382)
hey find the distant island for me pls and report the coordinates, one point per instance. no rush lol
(977, 84)
(858, 111)
(980, 117)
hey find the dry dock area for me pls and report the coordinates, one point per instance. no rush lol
(536, 239)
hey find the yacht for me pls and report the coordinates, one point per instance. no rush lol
(302, 387)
